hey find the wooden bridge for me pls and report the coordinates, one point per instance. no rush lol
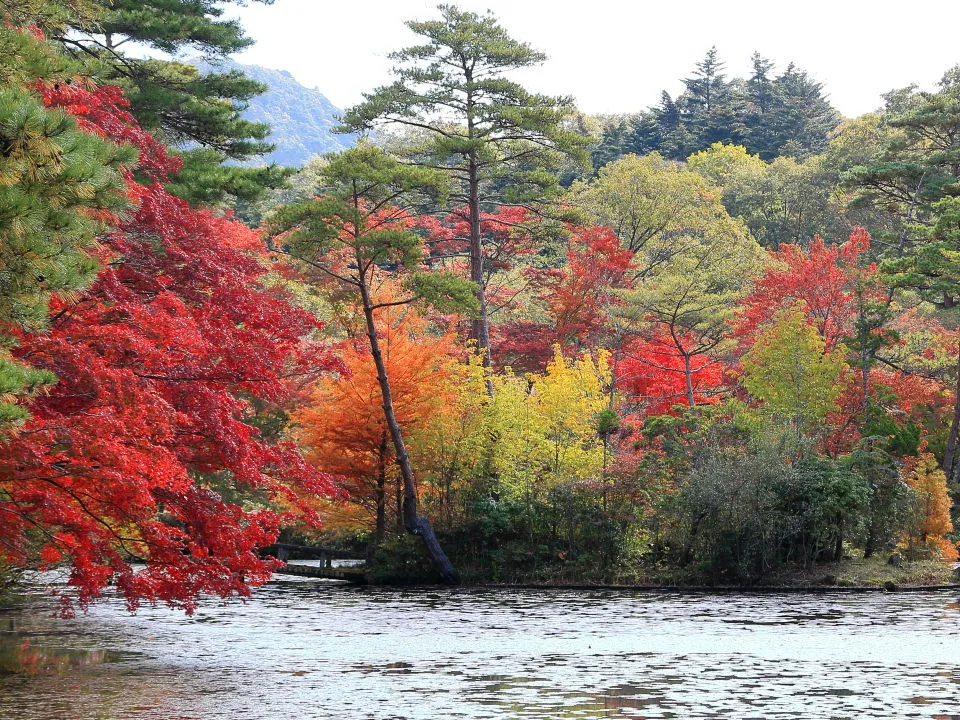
(285, 551)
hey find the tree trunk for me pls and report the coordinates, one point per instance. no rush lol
(950, 454)
(688, 374)
(838, 545)
(398, 505)
(381, 527)
(479, 327)
(414, 523)
(865, 383)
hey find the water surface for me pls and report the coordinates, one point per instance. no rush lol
(308, 649)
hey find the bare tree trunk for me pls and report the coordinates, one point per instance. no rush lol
(414, 523)
(865, 383)
(950, 454)
(688, 375)
(381, 527)
(480, 327)
(398, 505)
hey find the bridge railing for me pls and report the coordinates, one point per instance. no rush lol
(284, 551)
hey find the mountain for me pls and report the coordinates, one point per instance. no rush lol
(301, 117)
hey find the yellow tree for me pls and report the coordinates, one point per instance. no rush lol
(726, 166)
(789, 370)
(545, 426)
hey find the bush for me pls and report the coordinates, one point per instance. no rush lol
(740, 512)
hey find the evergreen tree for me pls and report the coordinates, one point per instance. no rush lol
(500, 143)
(917, 176)
(802, 117)
(762, 95)
(196, 112)
(356, 234)
(760, 88)
(709, 107)
(786, 115)
(55, 182)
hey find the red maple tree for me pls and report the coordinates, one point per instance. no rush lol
(579, 298)
(147, 450)
(822, 277)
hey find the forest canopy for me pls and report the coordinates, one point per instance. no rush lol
(497, 340)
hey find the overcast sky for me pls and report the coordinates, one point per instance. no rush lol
(616, 56)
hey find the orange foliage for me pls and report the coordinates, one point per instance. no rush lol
(342, 426)
(929, 481)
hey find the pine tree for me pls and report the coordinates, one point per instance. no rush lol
(197, 112)
(497, 141)
(353, 235)
(917, 176)
(786, 115)
(762, 94)
(56, 184)
(710, 105)
(802, 117)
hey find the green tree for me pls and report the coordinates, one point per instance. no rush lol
(691, 259)
(918, 164)
(498, 142)
(712, 107)
(917, 176)
(200, 113)
(54, 180)
(789, 370)
(800, 120)
(651, 204)
(785, 115)
(788, 200)
(358, 230)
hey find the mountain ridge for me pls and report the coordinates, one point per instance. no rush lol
(301, 118)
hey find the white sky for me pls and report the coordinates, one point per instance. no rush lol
(617, 56)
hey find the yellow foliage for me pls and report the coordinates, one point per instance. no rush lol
(543, 427)
(721, 164)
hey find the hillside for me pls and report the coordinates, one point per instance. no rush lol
(301, 117)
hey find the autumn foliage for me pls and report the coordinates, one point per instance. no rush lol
(341, 424)
(628, 384)
(137, 451)
(821, 277)
(929, 481)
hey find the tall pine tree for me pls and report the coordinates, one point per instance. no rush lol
(499, 143)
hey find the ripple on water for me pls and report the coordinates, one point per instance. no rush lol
(310, 650)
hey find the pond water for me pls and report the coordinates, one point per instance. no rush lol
(302, 649)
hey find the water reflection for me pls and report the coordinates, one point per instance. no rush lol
(306, 649)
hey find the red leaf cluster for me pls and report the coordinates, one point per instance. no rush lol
(821, 277)
(653, 375)
(146, 449)
(579, 299)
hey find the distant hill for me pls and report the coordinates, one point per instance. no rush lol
(301, 117)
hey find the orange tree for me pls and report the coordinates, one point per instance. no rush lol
(356, 234)
(343, 425)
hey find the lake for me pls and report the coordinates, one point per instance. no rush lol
(303, 649)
